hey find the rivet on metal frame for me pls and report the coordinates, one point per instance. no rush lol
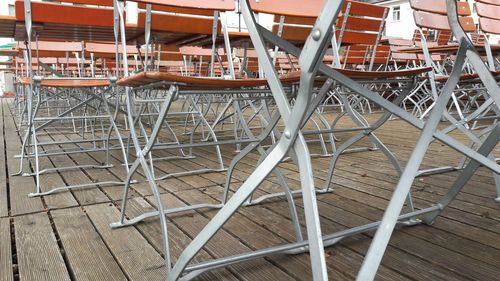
(316, 34)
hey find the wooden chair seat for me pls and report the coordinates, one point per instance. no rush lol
(145, 78)
(69, 83)
(467, 77)
(356, 74)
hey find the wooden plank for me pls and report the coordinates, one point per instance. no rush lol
(468, 229)
(281, 225)
(90, 195)
(425, 189)
(253, 227)
(114, 192)
(177, 242)
(370, 179)
(38, 254)
(84, 196)
(53, 180)
(395, 257)
(224, 244)
(4, 204)
(88, 256)
(116, 173)
(442, 255)
(138, 259)
(21, 186)
(6, 269)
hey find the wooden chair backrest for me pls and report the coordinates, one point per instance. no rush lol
(360, 23)
(188, 17)
(431, 14)
(489, 15)
(209, 5)
(108, 3)
(396, 55)
(51, 12)
(355, 54)
(443, 37)
(169, 9)
(294, 8)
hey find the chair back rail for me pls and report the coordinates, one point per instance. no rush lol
(179, 10)
(108, 3)
(211, 5)
(48, 46)
(289, 8)
(103, 50)
(177, 24)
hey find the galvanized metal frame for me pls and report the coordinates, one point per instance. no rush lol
(292, 143)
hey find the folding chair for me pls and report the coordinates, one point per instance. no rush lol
(291, 140)
(446, 15)
(65, 101)
(358, 33)
(319, 38)
(469, 87)
(170, 87)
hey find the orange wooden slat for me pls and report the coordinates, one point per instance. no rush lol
(439, 7)
(102, 48)
(352, 37)
(489, 25)
(492, 2)
(145, 78)
(364, 9)
(65, 14)
(294, 33)
(92, 2)
(310, 9)
(180, 10)
(488, 11)
(440, 22)
(214, 5)
(177, 24)
(360, 24)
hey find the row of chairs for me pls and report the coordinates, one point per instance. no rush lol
(268, 98)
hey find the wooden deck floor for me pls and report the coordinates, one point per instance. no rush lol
(66, 236)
